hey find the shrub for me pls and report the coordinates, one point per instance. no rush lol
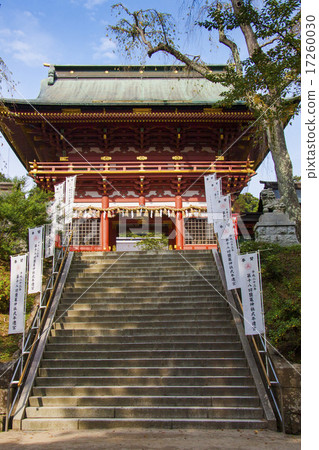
(152, 241)
(281, 278)
(4, 289)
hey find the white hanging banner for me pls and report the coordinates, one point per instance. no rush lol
(228, 249)
(250, 293)
(222, 209)
(35, 260)
(69, 198)
(50, 230)
(17, 291)
(212, 193)
(49, 240)
(58, 206)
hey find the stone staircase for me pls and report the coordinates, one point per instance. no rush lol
(142, 340)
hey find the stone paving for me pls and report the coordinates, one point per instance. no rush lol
(150, 439)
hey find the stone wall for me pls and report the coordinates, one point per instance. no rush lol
(290, 381)
(4, 383)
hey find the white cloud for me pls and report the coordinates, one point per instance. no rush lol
(90, 4)
(104, 50)
(27, 42)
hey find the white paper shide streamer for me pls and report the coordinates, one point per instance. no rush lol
(250, 293)
(35, 260)
(69, 198)
(17, 291)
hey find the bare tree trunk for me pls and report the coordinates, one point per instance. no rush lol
(284, 171)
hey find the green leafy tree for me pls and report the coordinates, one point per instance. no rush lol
(20, 211)
(246, 203)
(264, 80)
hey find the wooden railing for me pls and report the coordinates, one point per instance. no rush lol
(109, 167)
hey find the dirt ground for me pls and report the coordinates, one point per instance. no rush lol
(150, 439)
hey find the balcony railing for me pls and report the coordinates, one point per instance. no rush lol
(110, 168)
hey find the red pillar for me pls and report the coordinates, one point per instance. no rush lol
(179, 224)
(105, 232)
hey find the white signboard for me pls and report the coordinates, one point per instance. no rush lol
(250, 293)
(229, 254)
(17, 290)
(35, 260)
(69, 198)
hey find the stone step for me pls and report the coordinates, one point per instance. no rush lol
(107, 294)
(145, 381)
(137, 274)
(144, 254)
(85, 282)
(143, 346)
(144, 371)
(174, 412)
(50, 424)
(98, 391)
(152, 331)
(184, 269)
(141, 316)
(167, 268)
(144, 362)
(152, 353)
(189, 324)
(226, 402)
(152, 259)
(143, 339)
(130, 288)
(196, 338)
(140, 256)
(146, 307)
(155, 298)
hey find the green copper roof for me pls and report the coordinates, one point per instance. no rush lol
(114, 85)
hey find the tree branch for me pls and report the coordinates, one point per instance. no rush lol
(191, 63)
(234, 49)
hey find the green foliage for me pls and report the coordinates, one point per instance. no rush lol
(246, 203)
(281, 277)
(9, 344)
(3, 178)
(152, 241)
(4, 288)
(19, 212)
(272, 71)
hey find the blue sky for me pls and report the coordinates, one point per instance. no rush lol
(34, 32)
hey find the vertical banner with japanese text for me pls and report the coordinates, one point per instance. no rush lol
(49, 240)
(229, 253)
(250, 294)
(69, 198)
(212, 193)
(222, 210)
(50, 231)
(17, 293)
(35, 260)
(58, 206)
